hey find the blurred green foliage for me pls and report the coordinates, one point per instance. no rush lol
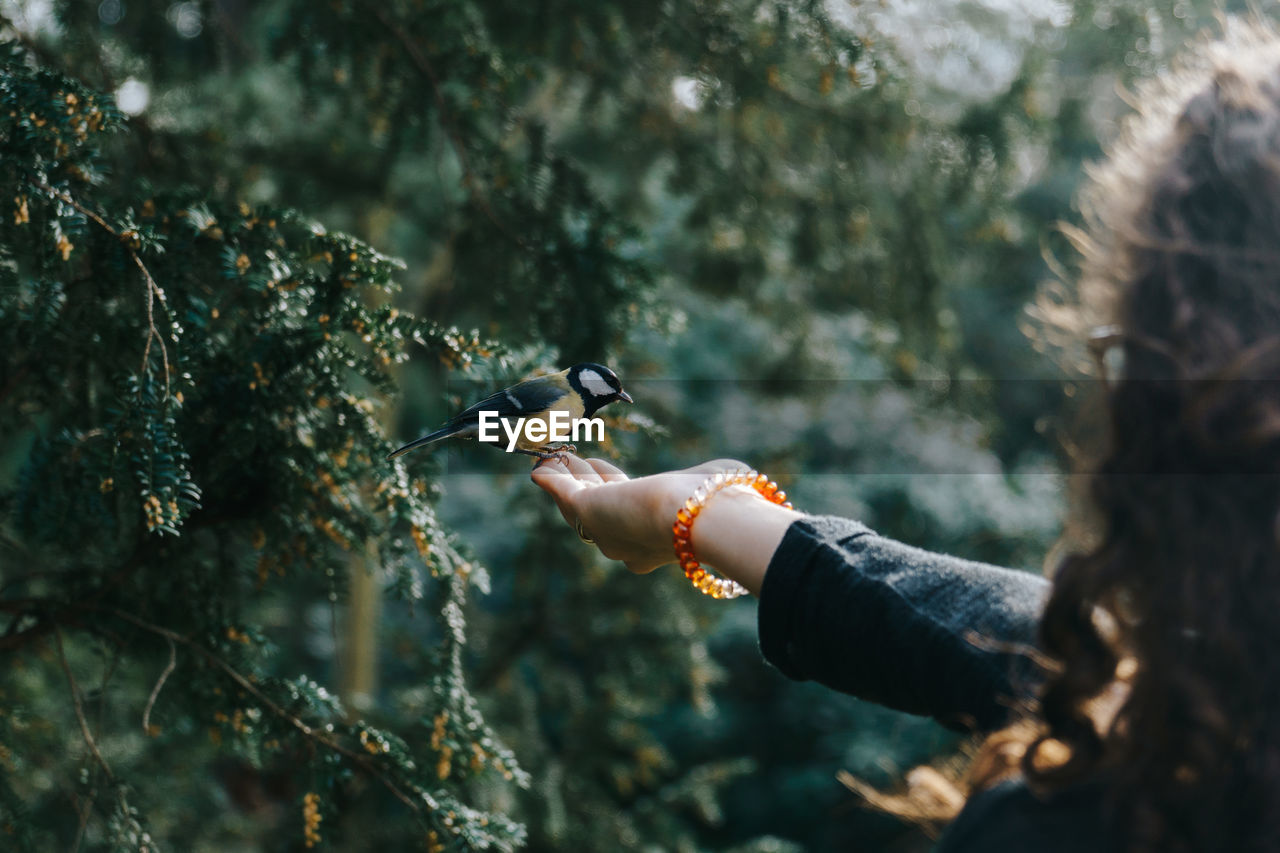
(802, 232)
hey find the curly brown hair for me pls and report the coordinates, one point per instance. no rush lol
(1178, 599)
(1163, 632)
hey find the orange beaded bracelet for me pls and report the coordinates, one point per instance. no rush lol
(704, 580)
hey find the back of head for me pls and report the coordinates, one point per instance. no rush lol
(1181, 593)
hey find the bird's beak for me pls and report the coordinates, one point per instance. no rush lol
(625, 397)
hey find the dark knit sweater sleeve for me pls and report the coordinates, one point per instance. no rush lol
(906, 628)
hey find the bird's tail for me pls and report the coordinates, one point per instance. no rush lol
(443, 432)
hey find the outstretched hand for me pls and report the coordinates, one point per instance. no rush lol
(629, 519)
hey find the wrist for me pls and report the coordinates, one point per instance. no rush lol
(737, 534)
(739, 516)
(721, 515)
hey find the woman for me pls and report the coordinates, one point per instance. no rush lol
(1133, 702)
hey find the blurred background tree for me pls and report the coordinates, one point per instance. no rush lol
(803, 233)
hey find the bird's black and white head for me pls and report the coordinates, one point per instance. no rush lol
(598, 385)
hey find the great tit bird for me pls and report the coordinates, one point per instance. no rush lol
(580, 391)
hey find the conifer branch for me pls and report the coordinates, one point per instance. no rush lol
(155, 691)
(84, 812)
(153, 290)
(469, 179)
(274, 708)
(89, 740)
(79, 708)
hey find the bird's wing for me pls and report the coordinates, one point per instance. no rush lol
(519, 401)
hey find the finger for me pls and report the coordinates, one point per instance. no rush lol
(607, 470)
(555, 478)
(581, 471)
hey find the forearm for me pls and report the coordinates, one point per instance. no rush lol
(911, 629)
(863, 614)
(907, 628)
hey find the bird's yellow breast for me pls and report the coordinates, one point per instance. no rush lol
(570, 403)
